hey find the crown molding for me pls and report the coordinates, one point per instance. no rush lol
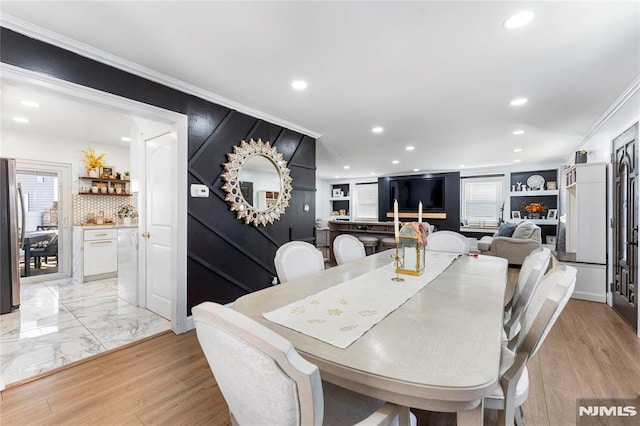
(87, 51)
(622, 99)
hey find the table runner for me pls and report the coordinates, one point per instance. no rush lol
(341, 314)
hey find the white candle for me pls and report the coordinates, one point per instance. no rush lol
(420, 212)
(396, 224)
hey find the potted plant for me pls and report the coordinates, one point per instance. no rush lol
(93, 162)
(127, 212)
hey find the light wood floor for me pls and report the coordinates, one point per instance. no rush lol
(590, 353)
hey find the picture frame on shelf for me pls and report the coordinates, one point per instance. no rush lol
(106, 172)
(337, 192)
(552, 185)
(552, 214)
(515, 214)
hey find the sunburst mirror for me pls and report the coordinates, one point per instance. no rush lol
(257, 182)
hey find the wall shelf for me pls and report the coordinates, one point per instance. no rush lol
(536, 221)
(551, 192)
(109, 183)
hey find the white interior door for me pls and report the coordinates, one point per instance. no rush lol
(159, 220)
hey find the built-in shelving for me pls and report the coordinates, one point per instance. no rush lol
(517, 200)
(585, 191)
(109, 183)
(340, 203)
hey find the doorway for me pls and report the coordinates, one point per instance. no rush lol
(625, 225)
(177, 166)
(46, 201)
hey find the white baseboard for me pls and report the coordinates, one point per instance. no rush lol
(591, 297)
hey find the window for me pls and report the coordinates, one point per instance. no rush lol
(482, 200)
(366, 201)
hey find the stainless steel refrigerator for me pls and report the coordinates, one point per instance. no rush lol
(11, 235)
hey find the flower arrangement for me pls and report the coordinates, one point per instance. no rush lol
(127, 210)
(93, 160)
(534, 207)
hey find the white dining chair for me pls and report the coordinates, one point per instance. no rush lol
(274, 385)
(347, 248)
(297, 259)
(448, 241)
(547, 303)
(533, 268)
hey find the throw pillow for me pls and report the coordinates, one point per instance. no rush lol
(506, 229)
(524, 230)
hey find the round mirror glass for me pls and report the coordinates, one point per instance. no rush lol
(260, 182)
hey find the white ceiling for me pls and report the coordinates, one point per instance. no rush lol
(436, 75)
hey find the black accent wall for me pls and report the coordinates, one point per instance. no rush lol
(225, 258)
(451, 200)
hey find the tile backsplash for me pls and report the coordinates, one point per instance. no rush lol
(109, 204)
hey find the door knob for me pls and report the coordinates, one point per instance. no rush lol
(146, 234)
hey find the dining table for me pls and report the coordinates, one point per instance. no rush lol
(33, 237)
(437, 351)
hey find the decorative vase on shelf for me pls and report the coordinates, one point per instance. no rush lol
(126, 221)
(93, 173)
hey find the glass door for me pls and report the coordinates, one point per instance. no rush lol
(44, 254)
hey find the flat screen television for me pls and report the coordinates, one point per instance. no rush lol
(409, 192)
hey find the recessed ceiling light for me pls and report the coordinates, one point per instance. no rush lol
(462, 166)
(517, 161)
(395, 162)
(518, 102)
(347, 167)
(125, 139)
(517, 150)
(416, 170)
(518, 132)
(410, 148)
(377, 129)
(31, 104)
(337, 176)
(372, 173)
(519, 19)
(20, 120)
(299, 84)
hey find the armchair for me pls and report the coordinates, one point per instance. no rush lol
(525, 238)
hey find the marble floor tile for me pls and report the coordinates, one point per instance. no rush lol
(62, 321)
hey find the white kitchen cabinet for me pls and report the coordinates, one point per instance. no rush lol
(95, 253)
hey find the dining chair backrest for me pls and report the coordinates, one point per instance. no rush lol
(265, 381)
(347, 248)
(448, 241)
(556, 286)
(533, 268)
(272, 383)
(297, 259)
(547, 304)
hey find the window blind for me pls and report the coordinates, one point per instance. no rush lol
(366, 201)
(482, 200)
